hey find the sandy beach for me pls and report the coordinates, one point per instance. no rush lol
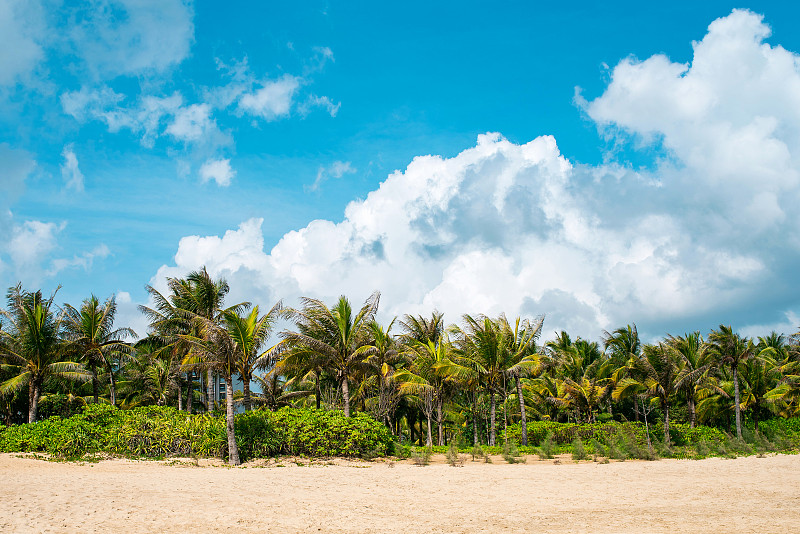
(740, 495)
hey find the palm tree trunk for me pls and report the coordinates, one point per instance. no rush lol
(210, 391)
(523, 424)
(246, 393)
(439, 420)
(233, 449)
(475, 420)
(692, 413)
(665, 407)
(736, 400)
(430, 438)
(491, 420)
(180, 394)
(346, 396)
(189, 392)
(34, 392)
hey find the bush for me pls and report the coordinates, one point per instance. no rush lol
(578, 450)
(547, 447)
(313, 432)
(157, 432)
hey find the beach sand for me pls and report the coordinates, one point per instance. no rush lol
(715, 495)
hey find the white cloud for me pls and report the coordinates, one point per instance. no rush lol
(218, 170)
(21, 34)
(314, 101)
(72, 175)
(146, 117)
(131, 37)
(518, 229)
(272, 100)
(83, 261)
(337, 169)
(731, 118)
(31, 242)
(191, 123)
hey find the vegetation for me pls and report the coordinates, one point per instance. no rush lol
(336, 381)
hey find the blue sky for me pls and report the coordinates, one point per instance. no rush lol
(139, 140)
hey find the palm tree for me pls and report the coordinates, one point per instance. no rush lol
(33, 346)
(657, 372)
(218, 345)
(91, 333)
(425, 378)
(731, 349)
(151, 374)
(495, 352)
(383, 362)
(171, 317)
(695, 362)
(274, 392)
(335, 337)
(521, 358)
(250, 333)
(421, 330)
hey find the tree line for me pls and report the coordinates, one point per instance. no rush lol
(424, 379)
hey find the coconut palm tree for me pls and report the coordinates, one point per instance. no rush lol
(425, 378)
(336, 338)
(250, 333)
(522, 358)
(731, 349)
(91, 334)
(694, 356)
(495, 352)
(32, 349)
(172, 316)
(656, 371)
(421, 330)
(383, 362)
(217, 345)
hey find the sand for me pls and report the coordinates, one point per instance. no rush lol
(715, 495)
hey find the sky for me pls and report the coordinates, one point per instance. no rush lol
(600, 163)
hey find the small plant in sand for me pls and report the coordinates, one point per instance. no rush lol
(547, 447)
(422, 457)
(452, 455)
(599, 450)
(477, 452)
(511, 453)
(578, 450)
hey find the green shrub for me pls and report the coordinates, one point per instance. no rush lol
(578, 450)
(547, 446)
(157, 432)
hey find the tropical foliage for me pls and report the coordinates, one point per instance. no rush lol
(485, 380)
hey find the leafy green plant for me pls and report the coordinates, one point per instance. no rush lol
(452, 455)
(547, 446)
(421, 456)
(578, 450)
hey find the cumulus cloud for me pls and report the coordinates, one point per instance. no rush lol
(32, 241)
(272, 100)
(131, 37)
(72, 175)
(21, 34)
(191, 123)
(708, 236)
(218, 170)
(337, 169)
